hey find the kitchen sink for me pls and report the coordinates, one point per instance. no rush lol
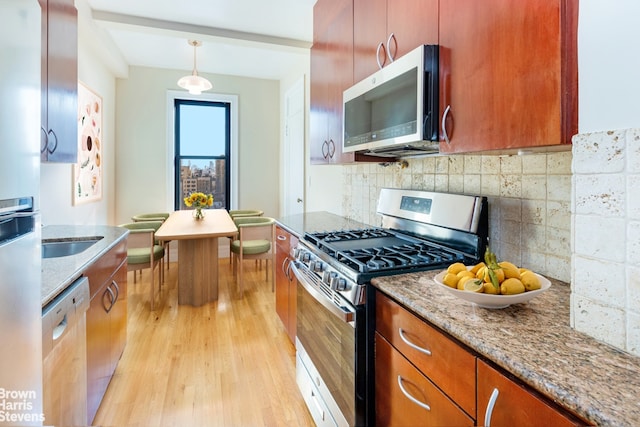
(55, 248)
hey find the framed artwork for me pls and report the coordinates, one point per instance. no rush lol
(87, 172)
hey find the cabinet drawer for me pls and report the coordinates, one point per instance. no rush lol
(398, 383)
(447, 364)
(104, 267)
(514, 405)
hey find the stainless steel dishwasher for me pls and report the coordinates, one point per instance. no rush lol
(64, 353)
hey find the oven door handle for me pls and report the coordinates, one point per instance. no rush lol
(346, 315)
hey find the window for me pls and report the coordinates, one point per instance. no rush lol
(202, 151)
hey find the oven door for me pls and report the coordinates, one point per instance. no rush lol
(326, 339)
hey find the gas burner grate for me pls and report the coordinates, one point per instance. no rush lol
(417, 255)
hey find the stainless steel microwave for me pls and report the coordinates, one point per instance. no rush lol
(394, 112)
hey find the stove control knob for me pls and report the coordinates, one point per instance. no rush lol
(326, 277)
(338, 283)
(318, 266)
(304, 256)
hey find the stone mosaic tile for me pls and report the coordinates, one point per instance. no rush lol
(558, 214)
(472, 183)
(633, 201)
(558, 187)
(534, 212)
(602, 194)
(511, 164)
(510, 185)
(600, 281)
(600, 152)
(600, 238)
(603, 322)
(633, 245)
(534, 164)
(534, 187)
(559, 163)
(633, 150)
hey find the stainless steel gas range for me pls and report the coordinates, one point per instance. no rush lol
(420, 231)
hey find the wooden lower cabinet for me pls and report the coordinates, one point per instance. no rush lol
(405, 397)
(448, 365)
(286, 283)
(511, 404)
(106, 325)
(455, 383)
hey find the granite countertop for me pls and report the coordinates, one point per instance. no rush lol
(58, 273)
(316, 222)
(534, 342)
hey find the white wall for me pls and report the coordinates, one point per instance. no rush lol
(609, 65)
(141, 140)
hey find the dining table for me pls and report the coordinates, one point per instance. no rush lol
(197, 252)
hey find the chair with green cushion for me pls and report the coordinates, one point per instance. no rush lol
(236, 213)
(156, 216)
(255, 240)
(240, 213)
(144, 252)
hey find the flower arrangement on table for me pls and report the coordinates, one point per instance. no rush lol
(198, 201)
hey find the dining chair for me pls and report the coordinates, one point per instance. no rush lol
(156, 216)
(240, 213)
(255, 240)
(144, 252)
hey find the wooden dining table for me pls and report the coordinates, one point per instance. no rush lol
(197, 252)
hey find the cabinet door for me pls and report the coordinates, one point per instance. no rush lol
(282, 281)
(59, 120)
(331, 74)
(118, 316)
(513, 405)
(399, 25)
(405, 397)
(98, 351)
(286, 283)
(369, 31)
(507, 73)
(413, 23)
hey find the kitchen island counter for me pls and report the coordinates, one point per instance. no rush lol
(58, 273)
(535, 343)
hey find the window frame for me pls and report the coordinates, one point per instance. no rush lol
(232, 100)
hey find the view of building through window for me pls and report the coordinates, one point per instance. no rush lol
(202, 151)
(206, 177)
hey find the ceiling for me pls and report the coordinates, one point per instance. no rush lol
(253, 38)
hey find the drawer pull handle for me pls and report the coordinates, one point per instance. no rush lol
(412, 345)
(411, 398)
(490, 405)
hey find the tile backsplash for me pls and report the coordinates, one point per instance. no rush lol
(529, 200)
(605, 277)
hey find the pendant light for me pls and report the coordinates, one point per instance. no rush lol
(193, 82)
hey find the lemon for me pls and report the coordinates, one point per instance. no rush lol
(473, 285)
(456, 267)
(523, 270)
(488, 288)
(450, 280)
(510, 270)
(530, 281)
(477, 267)
(465, 273)
(464, 280)
(511, 287)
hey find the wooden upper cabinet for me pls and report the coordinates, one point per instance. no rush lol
(59, 127)
(510, 404)
(331, 74)
(394, 27)
(508, 74)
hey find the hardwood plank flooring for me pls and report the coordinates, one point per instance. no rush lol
(227, 363)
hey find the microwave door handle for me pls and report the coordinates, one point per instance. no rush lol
(342, 314)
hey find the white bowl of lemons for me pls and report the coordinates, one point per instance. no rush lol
(474, 284)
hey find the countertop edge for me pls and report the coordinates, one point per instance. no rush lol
(59, 273)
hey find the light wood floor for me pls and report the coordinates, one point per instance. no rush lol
(228, 363)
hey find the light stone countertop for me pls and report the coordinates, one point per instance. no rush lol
(534, 342)
(58, 273)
